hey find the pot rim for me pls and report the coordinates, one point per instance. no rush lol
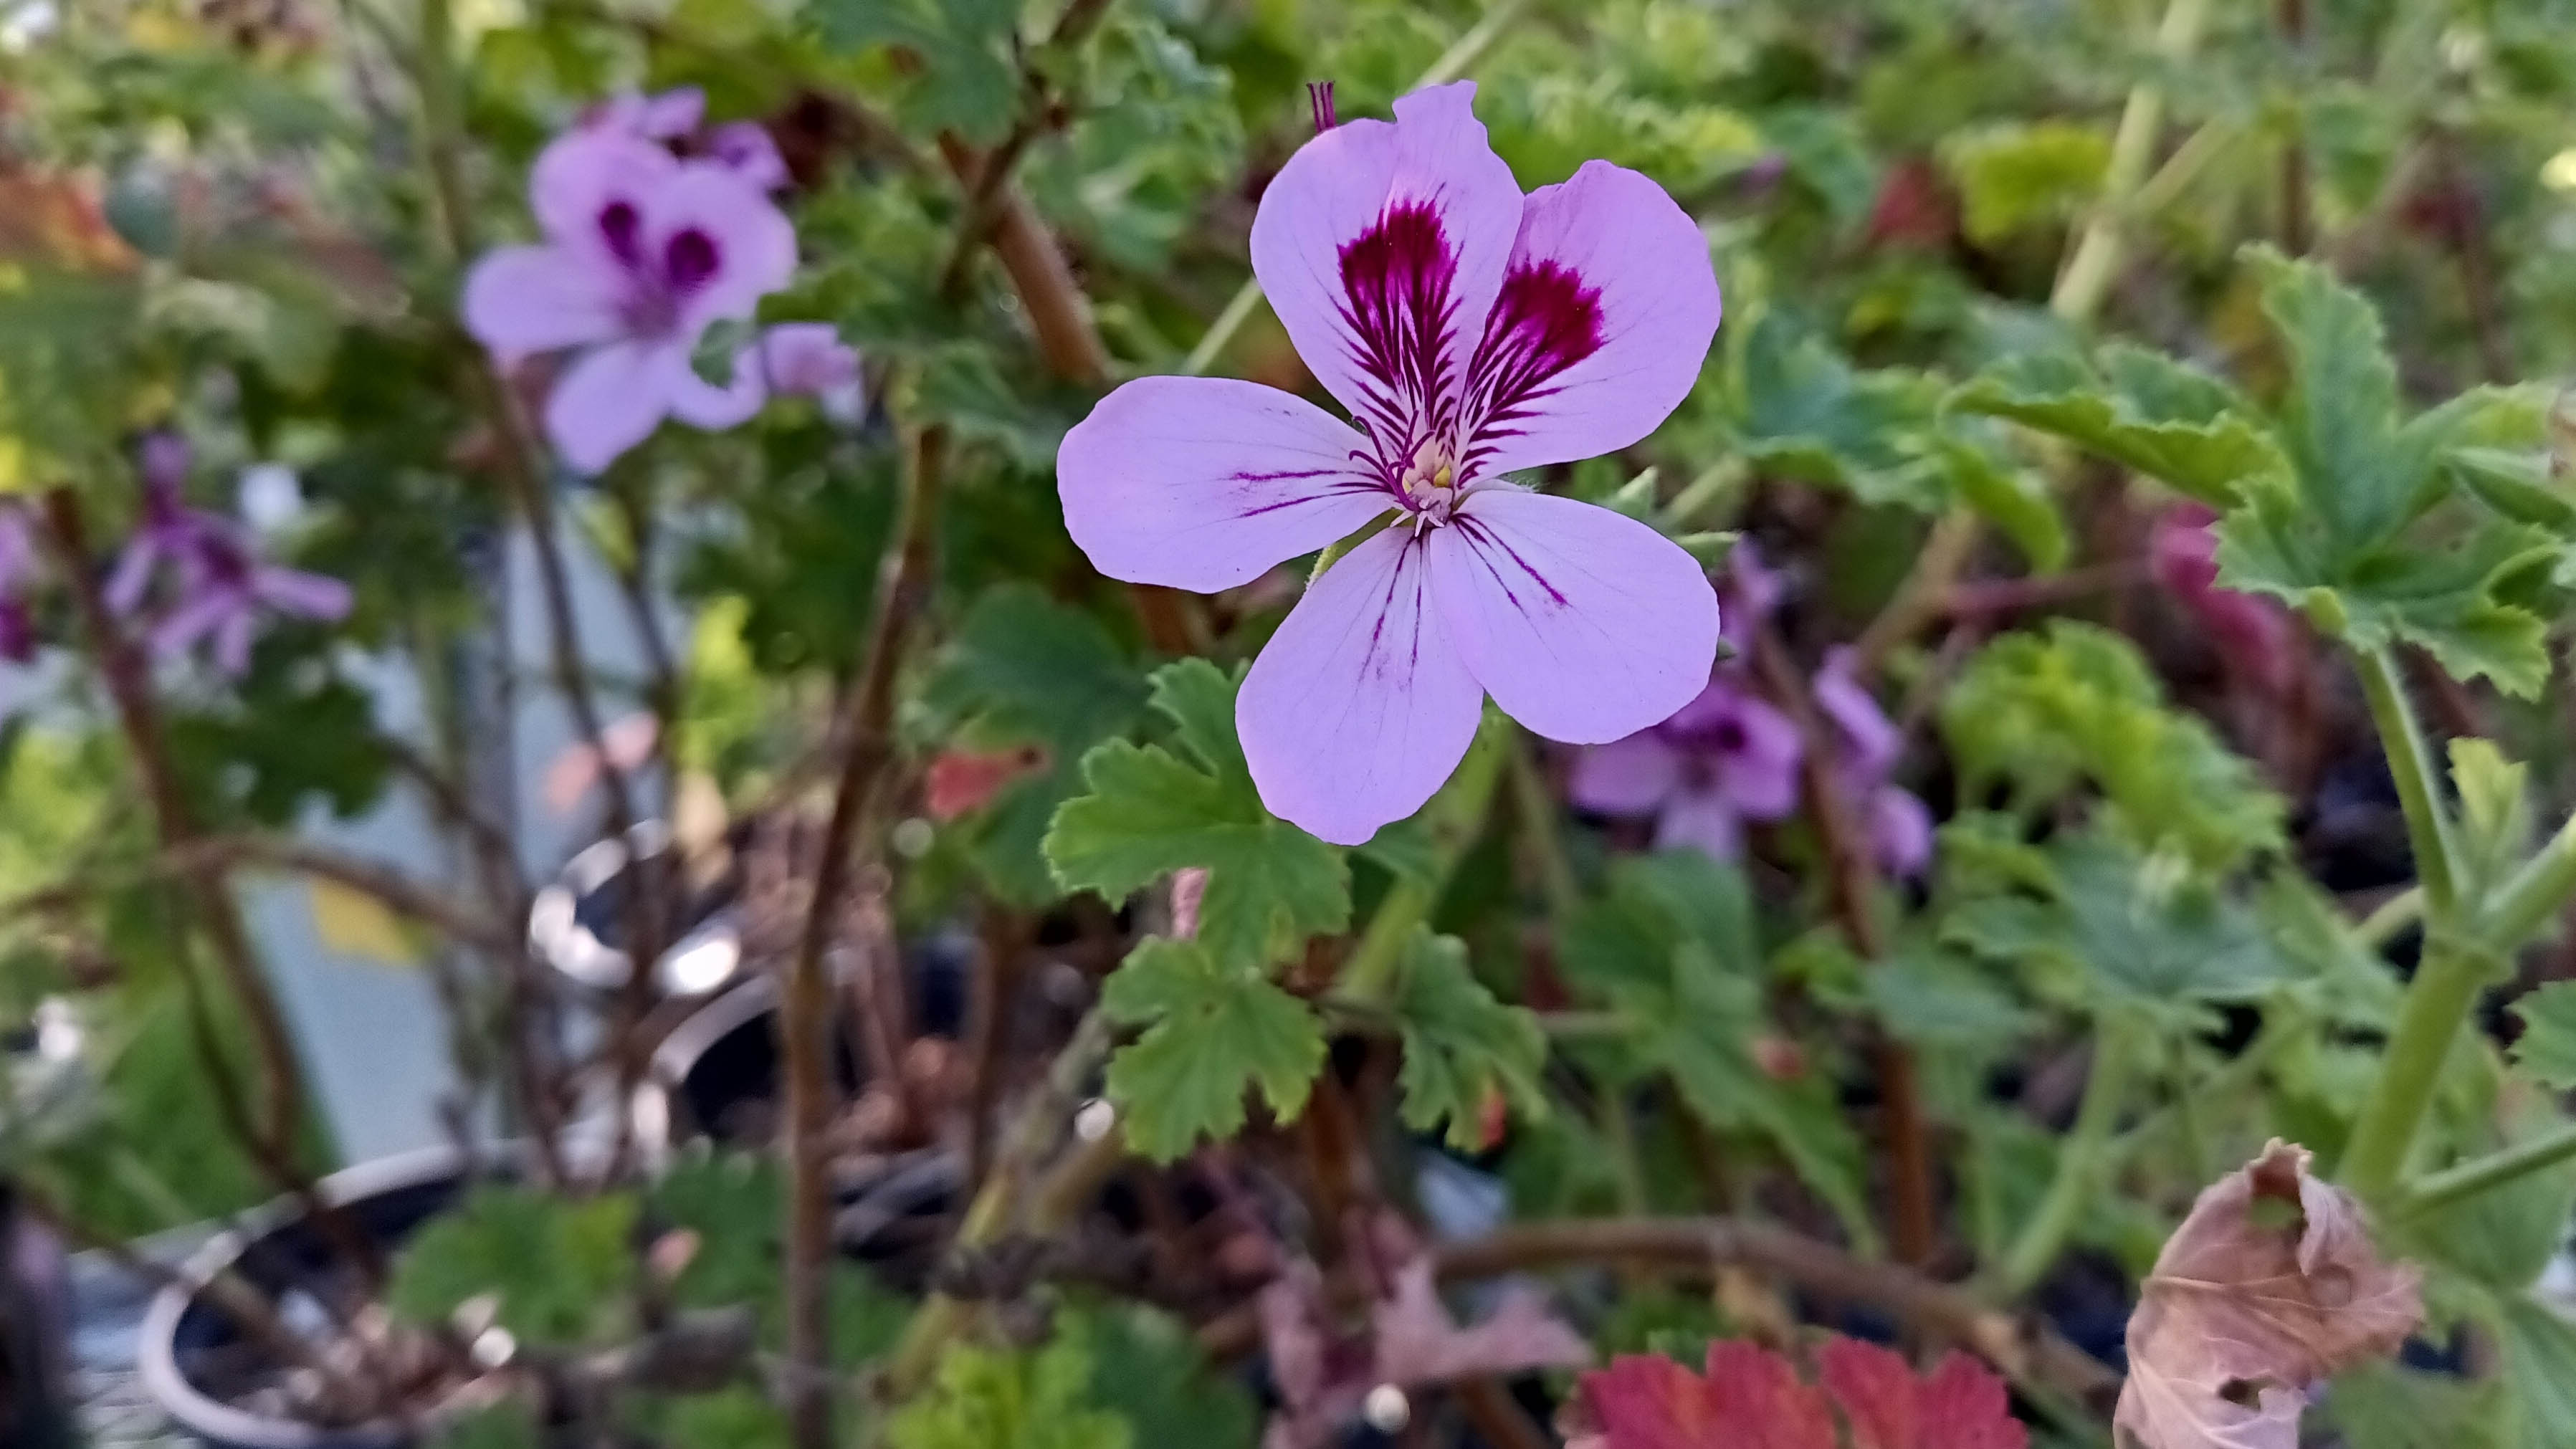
(156, 1349)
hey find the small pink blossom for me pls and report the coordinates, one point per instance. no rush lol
(809, 359)
(642, 253)
(1471, 331)
(2254, 636)
(1728, 757)
(748, 148)
(677, 118)
(218, 585)
(17, 570)
(1899, 826)
(665, 116)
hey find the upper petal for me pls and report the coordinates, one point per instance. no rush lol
(1359, 707)
(719, 241)
(1204, 483)
(608, 401)
(583, 175)
(1604, 316)
(536, 299)
(1583, 624)
(1381, 245)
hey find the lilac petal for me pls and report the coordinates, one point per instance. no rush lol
(753, 244)
(607, 402)
(1583, 624)
(1900, 831)
(307, 596)
(232, 642)
(1869, 737)
(1381, 246)
(671, 114)
(133, 576)
(702, 404)
(1753, 590)
(1358, 708)
(196, 617)
(520, 300)
(808, 358)
(162, 458)
(1204, 483)
(750, 150)
(1604, 317)
(1760, 773)
(1625, 777)
(583, 173)
(1703, 820)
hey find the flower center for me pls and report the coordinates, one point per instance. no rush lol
(1429, 482)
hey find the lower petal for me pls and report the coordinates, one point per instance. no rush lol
(1359, 708)
(702, 404)
(1204, 483)
(1702, 820)
(1900, 832)
(608, 401)
(1625, 777)
(1583, 624)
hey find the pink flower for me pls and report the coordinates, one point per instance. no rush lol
(748, 148)
(642, 252)
(1900, 827)
(17, 569)
(1727, 758)
(2253, 636)
(1471, 331)
(811, 360)
(220, 586)
(667, 116)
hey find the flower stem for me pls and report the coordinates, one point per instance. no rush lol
(2082, 1161)
(2096, 259)
(1454, 62)
(2485, 1174)
(805, 1022)
(2519, 908)
(2419, 788)
(2446, 986)
(1456, 817)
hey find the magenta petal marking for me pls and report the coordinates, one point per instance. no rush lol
(1206, 483)
(1584, 625)
(1359, 707)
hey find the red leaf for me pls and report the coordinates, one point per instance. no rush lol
(962, 781)
(1960, 1406)
(1752, 1399)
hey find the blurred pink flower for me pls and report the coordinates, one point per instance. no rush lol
(219, 587)
(1726, 758)
(2253, 636)
(811, 360)
(663, 116)
(1471, 331)
(1899, 826)
(747, 147)
(643, 252)
(17, 570)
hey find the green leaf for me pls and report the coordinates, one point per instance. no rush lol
(2546, 1050)
(509, 1424)
(1148, 1366)
(2076, 705)
(2383, 1406)
(737, 1418)
(2339, 417)
(1806, 413)
(1938, 998)
(2017, 174)
(1212, 1032)
(966, 80)
(2149, 414)
(561, 1267)
(2539, 1348)
(1460, 1043)
(2502, 1238)
(1151, 810)
(2519, 487)
(2015, 499)
(2495, 809)
(1027, 1399)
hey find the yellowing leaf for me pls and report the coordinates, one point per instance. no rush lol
(353, 924)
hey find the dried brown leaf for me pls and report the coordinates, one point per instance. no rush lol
(2269, 1286)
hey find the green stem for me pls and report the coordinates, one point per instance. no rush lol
(2534, 897)
(1537, 811)
(2394, 915)
(2485, 1174)
(2083, 1162)
(2419, 788)
(2096, 260)
(2228, 1083)
(1456, 816)
(1454, 62)
(1704, 492)
(2446, 986)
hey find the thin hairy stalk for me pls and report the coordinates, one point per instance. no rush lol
(2418, 780)
(2482, 1175)
(1460, 58)
(2084, 1160)
(1853, 885)
(804, 1023)
(1454, 818)
(1038, 110)
(275, 1137)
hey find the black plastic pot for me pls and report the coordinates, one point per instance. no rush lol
(578, 921)
(278, 1249)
